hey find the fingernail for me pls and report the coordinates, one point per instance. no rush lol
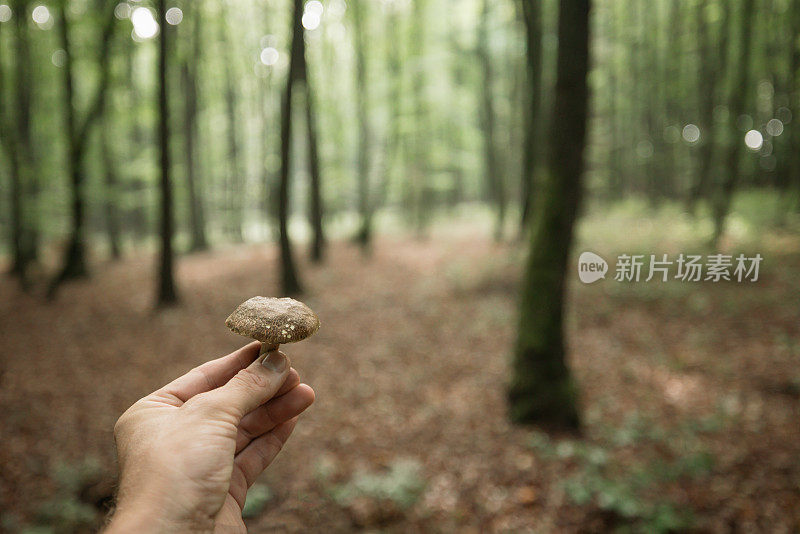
(275, 361)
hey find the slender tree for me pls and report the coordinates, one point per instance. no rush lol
(111, 185)
(713, 58)
(417, 195)
(8, 143)
(316, 204)
(740, 76)
(532, 13)
(364, 234)
(491, 168)
(235, 177)
(315, 175)
(18, 143)
(189, 63)
(290, 282)
(78, 128)
(794, 107)
(166, 294)
(542, 389)
(392, 144)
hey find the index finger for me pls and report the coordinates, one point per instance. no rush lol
(211, 374)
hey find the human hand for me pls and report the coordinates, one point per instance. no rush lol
(188, 452)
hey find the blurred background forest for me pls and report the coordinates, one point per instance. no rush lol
(424, 174)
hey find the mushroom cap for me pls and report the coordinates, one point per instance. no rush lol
(273, 320)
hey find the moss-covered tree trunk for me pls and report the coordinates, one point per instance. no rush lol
(542, 390)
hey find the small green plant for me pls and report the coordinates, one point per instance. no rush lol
(65, 512)
(629, 494)
(257, 498)
(401, 484)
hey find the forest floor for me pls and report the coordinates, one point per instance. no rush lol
(690, 393)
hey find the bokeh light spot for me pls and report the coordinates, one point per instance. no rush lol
(144, 23)
(174, 16)
(754, 140)
(691, 133)
(5, 13)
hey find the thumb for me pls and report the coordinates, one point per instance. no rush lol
(252, 386)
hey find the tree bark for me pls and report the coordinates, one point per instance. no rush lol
(197, 224)
(542, 390)
(290, 282)
(364, 235)
(24, 186)
(723, 195)
(531, 10)
(794, 106)
(235, 189)
(111, 183)
(167, 293)
(8, 145)
(712, 64)
(315, 189)
(316, 207)
(494, 179)
(78, 131)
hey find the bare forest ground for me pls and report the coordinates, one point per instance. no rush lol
(690, 394)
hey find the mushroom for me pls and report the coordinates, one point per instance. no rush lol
(273, 321)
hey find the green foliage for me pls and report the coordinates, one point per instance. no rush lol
(402, 484)
(258, 496)
(65, 512)
(630, 492)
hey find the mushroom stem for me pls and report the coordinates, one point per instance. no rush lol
(268, 347)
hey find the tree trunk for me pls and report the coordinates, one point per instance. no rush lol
(723, 195)
(494, 179)
(9, 146)
(364, 235)
(78, 132)
(166, 278)
(417, 196)
(290, 282)
(542, 390)
(197, 225)
(533, 39)
(111, 183)
(25, 248)
(235, 183)
(794, 106)
(712, 64)
(316, 207)
(393, 143)
(74, 262)
(315, 189)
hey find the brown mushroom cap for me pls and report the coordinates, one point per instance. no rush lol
(273, 320)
